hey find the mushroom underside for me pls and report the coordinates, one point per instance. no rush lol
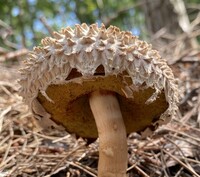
(70, 108)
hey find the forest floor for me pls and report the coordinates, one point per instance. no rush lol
(174, 149)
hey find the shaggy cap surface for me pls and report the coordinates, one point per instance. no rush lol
(59, 75)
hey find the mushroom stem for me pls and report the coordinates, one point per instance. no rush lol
(112, 134)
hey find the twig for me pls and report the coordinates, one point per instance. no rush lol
(80, 166)
(141, 171)
(2, 116)
(44, 21)
(178, 173)
(184, 134)
(62, 160)
(164, 163)
(61, 139)
(183, 139)
(51, 156)
(131, 167)
(13, 54)
(183, 164)
(5, 33)
(179, 150)
(45, 136)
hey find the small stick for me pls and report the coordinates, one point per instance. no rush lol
(44, 21)
(183, 164)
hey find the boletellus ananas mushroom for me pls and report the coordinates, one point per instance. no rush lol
(98, 82)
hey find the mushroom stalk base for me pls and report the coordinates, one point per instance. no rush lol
(112, 134)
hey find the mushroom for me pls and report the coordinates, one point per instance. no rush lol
(98, 82)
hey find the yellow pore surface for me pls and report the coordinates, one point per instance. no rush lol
(71, 109)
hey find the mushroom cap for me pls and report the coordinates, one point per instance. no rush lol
(60, 74)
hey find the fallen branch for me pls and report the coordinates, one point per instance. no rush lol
(13, 54)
